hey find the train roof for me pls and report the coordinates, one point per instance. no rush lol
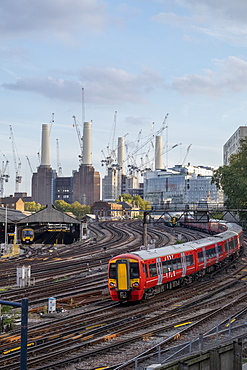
(233, 229)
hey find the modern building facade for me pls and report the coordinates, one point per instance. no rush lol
(233, 143)
(164, 187)
(110, 184)
(63, 189)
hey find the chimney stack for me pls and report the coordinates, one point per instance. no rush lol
(45, 145)
(87, 143)
(158, 153)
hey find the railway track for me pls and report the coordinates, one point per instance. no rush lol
(102, 326)
(113, 326)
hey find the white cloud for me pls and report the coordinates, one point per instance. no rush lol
(103, 86)
(232, 76)
(221, 19)
(19, 18)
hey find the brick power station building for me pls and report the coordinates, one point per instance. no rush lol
(83, 186)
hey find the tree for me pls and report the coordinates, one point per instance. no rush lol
(233, 178)
(79, 210)
(136, 201)
(62, 206)
(32, 206)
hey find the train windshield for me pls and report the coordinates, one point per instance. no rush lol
(134, 270)
(28, 232)
(113, 271)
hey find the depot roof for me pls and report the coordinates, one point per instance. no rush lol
(49, 214)
(12, 215)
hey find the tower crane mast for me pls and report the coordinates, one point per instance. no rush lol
(59, 166)
(18, 177)
(186, 155)
(76, 125)
(3, 175)
(29, 163)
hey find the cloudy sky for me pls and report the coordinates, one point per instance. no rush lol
(143, 59)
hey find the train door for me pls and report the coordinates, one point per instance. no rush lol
(204, 257)
(183, 260)
(123, 281)
(217, 253)
(159, 270)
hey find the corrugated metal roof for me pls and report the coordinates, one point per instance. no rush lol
(13, 216)
(50, 214)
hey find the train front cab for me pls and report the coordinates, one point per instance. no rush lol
(27, 236)
(124, 279)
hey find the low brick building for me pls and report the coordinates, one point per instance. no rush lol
(13, 203)
(107, 209)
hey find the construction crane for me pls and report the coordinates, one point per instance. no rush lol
(186, 155)
(76, 125)
(30, 166)
(82, 105)
(4, 177)
(59, 166)
(18, 177)
(51, 121)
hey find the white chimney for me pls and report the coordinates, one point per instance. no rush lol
(158, 153)
(45, 145)
(87, 143)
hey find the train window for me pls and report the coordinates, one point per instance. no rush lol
(220, 249)
(226, 247)
(200, 256)
(169, 265)
(165, 267)
(145, 270)
(113, 271)
(174, 264)
(28, 232)
(153, 269)
(134, 270)
(189, 260)
(179, 264)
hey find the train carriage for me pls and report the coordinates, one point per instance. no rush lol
(142, 274)
(27, 235)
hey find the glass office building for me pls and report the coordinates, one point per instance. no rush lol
(173, 187)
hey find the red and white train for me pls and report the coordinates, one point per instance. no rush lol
(145, 273)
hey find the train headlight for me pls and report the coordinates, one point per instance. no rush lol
(135, 285)
(112, 284)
